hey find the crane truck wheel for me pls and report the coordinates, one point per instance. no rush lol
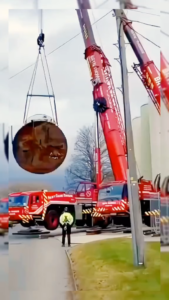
(147, 221)
(51, 220)
(102, 224)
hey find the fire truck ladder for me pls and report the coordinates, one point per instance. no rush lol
(136, 68)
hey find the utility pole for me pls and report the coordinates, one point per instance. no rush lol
(127, 4)
(122, 4)
(132, 182)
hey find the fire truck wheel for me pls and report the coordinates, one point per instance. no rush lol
(51, 220)
(147, 221)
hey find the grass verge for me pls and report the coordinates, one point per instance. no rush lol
(104, 270)
(165, 273)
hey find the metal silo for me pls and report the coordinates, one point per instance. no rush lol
(146, 166)
(136, 125)
(164, 142)
(155, 140)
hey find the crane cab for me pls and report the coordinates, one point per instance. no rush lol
(87, 191)
(113, 203)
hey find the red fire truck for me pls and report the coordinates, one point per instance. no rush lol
(109, 201)
(4, 216)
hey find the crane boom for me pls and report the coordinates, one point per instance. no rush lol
(146, 69)
(164, 80)
(104, 94)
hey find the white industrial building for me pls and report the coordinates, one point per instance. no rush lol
(151, 142)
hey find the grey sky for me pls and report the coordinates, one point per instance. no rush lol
(72, 4)
(72, 92)
(69, 70)
(165, 28)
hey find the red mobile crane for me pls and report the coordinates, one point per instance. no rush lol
(164, 195)
(164, 68)
(105, 99)
(155, 82)
(146, 69)
(106, 105)
(165, 80)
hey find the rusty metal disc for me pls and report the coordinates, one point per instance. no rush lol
(39, 147)
(93, 231)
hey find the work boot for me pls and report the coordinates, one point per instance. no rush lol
(63, 245)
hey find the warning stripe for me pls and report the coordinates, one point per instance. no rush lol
(25, 218)
(101, 209)
(46, 201)
(153, 213)
(36, 212)
(95, 214)
(164, 220)
(86, 211)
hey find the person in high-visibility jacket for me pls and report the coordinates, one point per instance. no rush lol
(66, 222)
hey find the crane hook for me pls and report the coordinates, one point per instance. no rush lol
(40, 41)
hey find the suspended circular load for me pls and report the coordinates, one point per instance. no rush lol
(39, 147)
(6, 143)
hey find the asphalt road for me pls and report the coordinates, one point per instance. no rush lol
(33, 268)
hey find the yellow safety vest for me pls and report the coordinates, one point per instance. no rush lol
(66, 218)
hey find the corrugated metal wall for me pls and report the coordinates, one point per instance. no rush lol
(164, 142)
(151, 141)
(136, 125)
(155, 139)
(146, 167)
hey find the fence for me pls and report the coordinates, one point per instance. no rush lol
(154, 214)
(164, 220)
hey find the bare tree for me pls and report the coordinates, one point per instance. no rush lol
(23, 187)
(82, 166)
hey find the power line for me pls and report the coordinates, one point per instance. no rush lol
(102, 3)
(164, 12)
(148, 24)
(3, 69)
(72, 38)
(146, 13)
(166, 34)
(138, 5)
(146, 38)
(135, 10)
(152, 25)
(22, 71)
(140, 33)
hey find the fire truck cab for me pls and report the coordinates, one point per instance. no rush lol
(4, 216)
